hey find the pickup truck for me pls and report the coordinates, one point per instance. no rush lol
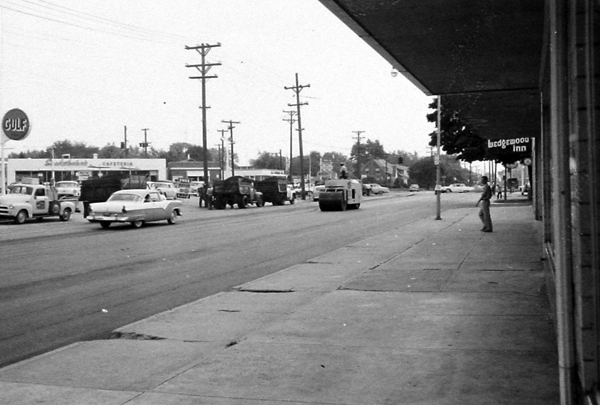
(25, 201)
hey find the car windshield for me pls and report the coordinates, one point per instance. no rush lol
(20, 190)
(157, 185)
(125, 197)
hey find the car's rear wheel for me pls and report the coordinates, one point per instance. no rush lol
(173, 218)
(104, 224)
(66, 215)
(137, 224)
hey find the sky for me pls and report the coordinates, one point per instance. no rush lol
(83, 70)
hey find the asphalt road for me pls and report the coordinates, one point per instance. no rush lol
(62, 282)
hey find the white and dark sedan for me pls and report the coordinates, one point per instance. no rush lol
(135, 206)
(457, 188)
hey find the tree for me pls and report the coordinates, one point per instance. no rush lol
(267, 160)
(111, 152)
(458, 137)
(311, 164)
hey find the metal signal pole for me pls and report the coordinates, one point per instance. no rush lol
(203, 68)
(438, 188)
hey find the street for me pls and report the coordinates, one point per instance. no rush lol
(63, 282)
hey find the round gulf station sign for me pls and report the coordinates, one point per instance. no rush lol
(15, 125)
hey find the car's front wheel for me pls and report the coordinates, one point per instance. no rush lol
(104, 224)
(173, 218)
(137, 224)
(21, 217)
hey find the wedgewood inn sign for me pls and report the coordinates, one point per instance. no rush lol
(518, 145)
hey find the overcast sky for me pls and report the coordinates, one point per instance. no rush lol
(82, 70)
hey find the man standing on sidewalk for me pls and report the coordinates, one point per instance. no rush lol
(484, 212)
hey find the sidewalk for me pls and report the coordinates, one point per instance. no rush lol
(435, 312)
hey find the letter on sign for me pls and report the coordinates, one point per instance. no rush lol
(15, 125)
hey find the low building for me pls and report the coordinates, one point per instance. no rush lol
(70, 168)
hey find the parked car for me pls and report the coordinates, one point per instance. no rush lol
(167, 188)
(68, 188)
(413, 187)
(377, 189)
(135, 206)
(457, 188)
(195, 187)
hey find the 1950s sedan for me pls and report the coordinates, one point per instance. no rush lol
(136, 206)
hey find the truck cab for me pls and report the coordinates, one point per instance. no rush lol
(34, 201)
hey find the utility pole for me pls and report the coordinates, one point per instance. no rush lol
(280, 160)
(145, 143)
(291, 120)
(231, 142)
(358, 152)
(124, 143)
(204, 68)
(297, 89)
(223, 157)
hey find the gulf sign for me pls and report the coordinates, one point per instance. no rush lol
(15, 125)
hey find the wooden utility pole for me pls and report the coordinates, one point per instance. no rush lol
(145, 143)
(231, 142)
(291, 120)
(204, 68)
(358, 153)
(223, 157)
(297, 89)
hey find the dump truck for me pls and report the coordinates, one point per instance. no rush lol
(34, 201)
(98, 189)
(340, 195)
(236, 190)
(276, 191)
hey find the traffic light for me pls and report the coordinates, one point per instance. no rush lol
(122, 145)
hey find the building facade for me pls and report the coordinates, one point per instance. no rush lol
(68, 168)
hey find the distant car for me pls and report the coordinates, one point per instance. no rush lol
(377, 189)
(318, 189)
(166, 188)
(457, 188)
(195, 187)
(68, 188)
(413, 187)
(366, 189)
(136, 206)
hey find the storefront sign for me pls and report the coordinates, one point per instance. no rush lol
(511, 145)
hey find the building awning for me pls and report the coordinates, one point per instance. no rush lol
(483, 57)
